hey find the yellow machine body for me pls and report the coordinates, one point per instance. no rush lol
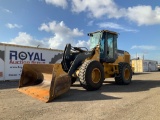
(48, 81)
(110, 68)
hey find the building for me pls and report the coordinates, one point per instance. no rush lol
(12, 58)
(144, 65)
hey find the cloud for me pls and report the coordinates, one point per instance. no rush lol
(82, 43)
(90, 23)
(144, 15)
(6, 10)
(114, 26)
(59, 3)
(25, 39)
(11, 26)
(141, 14)
(61, 34)
(97, 8)
(144, 47)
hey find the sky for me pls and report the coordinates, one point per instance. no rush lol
(55, 23)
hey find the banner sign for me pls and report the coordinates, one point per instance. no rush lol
(2, 61)
(16, 56)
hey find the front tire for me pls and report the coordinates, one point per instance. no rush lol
(91, 75)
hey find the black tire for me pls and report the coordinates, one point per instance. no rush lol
(125, 74)
(91, 75)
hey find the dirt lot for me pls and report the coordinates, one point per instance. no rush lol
(137, 101)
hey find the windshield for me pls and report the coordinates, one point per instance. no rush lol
(94, 39)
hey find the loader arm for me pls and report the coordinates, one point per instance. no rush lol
(73, 57)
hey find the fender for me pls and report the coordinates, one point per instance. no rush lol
(78, 61)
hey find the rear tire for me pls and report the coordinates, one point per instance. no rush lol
(91, 75)
(125, 74)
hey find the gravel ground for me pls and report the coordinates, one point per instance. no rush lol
(137, 101)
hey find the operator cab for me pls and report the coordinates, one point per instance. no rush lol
(107, 41)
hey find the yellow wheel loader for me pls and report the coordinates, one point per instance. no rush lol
(90, 67)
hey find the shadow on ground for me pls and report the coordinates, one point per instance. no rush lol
(142, 73)
(76, 94)
(8, 84)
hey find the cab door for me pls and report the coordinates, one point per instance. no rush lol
(108, 47)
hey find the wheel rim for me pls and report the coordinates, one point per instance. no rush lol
(96, 75)
(127, 74)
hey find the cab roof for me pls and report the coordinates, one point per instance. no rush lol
(107, 31)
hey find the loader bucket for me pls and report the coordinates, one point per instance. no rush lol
(44, 81)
